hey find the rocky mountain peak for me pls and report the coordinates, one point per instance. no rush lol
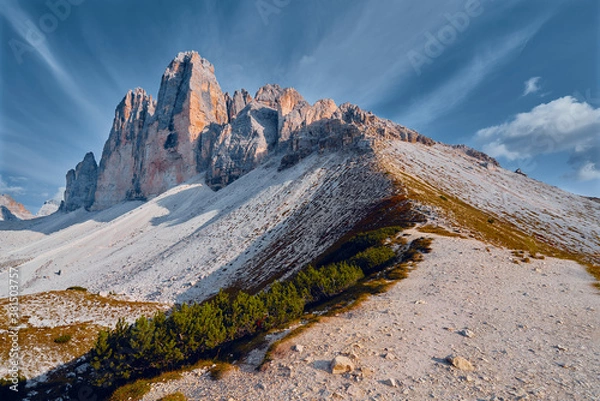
(81, 185)
(122, 154)
(236, 103)
(189, 100)
(268, 95)
(10, 209)
(194, 127)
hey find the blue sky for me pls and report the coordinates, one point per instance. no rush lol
(518, 79)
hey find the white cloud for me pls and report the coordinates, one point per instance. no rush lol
(562, 125)
(59, 195)
(532, 85)
(10, 189)
(588, 171)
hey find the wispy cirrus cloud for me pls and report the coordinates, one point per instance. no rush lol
(562, 125)
(532, 85)
(9, 188)
(460, 85)
(35, 42)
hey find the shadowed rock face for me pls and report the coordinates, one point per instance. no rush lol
(194, 127)
(81, 185)
(243, 144)
(236, 103)
(122, 155)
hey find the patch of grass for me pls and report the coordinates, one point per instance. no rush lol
(439, 230)
(221, 370)
(131, 392)
(63, 339)
(442, 197)
(40, 340)
(501, 233)
(178, 396)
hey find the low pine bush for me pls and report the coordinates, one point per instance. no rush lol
(193, 331)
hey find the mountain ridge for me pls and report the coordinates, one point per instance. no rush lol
(193, 127)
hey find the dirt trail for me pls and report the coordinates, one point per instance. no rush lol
(533, 332)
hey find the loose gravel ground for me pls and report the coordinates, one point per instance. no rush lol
(530, 330)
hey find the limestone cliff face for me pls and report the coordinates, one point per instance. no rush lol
(194, 127)
(122, 155)
(189, 100)
(81, 185)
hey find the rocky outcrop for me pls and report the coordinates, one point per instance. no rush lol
(81, 185)
(243, 144)
(269, 95)
(119, 169)
(236, 103)
(477, 154)
(12, 210)
(7, 215)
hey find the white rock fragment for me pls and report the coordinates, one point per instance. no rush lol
(341, 364)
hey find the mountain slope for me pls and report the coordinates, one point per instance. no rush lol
(548, 214)
(190, 241)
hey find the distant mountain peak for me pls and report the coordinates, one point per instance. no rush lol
(12, 210)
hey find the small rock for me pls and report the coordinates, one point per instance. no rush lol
(366, 372)
(460, 363)
(82, 368)
(341, 364)
(391, 382)
(261, 386)
(355, 391)
(298, 348)
(389, 356)
(420, 302)
(467, 333)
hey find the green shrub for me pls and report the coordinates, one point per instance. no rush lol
(62, 339)
(247, 313)
(374, 259)
(316, 285)
(283, 303)
(362, 242)
(194, 331)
